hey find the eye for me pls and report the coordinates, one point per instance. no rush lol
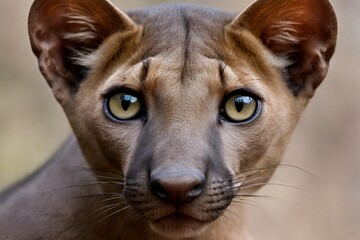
(123, 106)
(241, 108)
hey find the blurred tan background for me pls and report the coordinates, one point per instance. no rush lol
(326, 142)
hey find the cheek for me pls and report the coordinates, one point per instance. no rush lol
(247, 146)
(118, 141)
(244, 147)
(105, 143)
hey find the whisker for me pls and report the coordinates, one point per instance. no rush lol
(113, 198)
(107, 171)
(239, 184)
(116, 212)
(302, 170)
(111, 178)
(258, 182)
(93, 183)
(270, 167)
(272, 184)
(141, 58)
(94, 170)
(253, 170)
(104, 209)
(226, 217)
(95, 195)
(227, 57)
(112, 182)
(257, 196)
(254, 204)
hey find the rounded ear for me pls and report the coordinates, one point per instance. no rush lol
(303, 32)
(63, 34)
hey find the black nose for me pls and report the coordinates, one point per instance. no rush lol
(177, 186)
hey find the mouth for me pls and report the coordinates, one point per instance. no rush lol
(178, 225)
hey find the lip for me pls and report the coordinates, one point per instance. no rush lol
(179, 218)
(178, 224)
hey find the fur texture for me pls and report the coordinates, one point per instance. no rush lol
(179, 169)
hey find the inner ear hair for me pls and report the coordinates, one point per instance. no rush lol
(65, 35)
(303, 33)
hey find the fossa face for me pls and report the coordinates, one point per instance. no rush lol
(192, 107)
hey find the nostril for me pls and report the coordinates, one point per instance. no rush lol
(196, 191)
(158, 190)
(198, 187)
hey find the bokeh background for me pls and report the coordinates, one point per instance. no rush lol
(325, 143)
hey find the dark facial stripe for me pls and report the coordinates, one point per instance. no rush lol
(186, 24)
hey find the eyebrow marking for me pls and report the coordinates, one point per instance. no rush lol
(222, 67)
(145, 70)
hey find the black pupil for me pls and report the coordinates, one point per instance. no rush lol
(241, 101)
(125, 101)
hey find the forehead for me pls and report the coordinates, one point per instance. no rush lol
(183, 53)
(189, 27)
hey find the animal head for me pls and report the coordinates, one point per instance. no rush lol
(190, 105)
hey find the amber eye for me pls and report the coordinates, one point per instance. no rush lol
(241, 108)
(123, 106)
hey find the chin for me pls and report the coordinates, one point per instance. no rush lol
(178, 226)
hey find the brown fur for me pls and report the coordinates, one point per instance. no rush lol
(183, 60)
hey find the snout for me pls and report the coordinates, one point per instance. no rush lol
(179, 200)
(179, 184)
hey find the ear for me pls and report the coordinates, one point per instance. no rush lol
(63, 33)
(303, 32)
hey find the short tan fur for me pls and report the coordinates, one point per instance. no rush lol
(178, 112)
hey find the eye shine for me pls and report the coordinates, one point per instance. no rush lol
(123, 106)
(241, 108)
